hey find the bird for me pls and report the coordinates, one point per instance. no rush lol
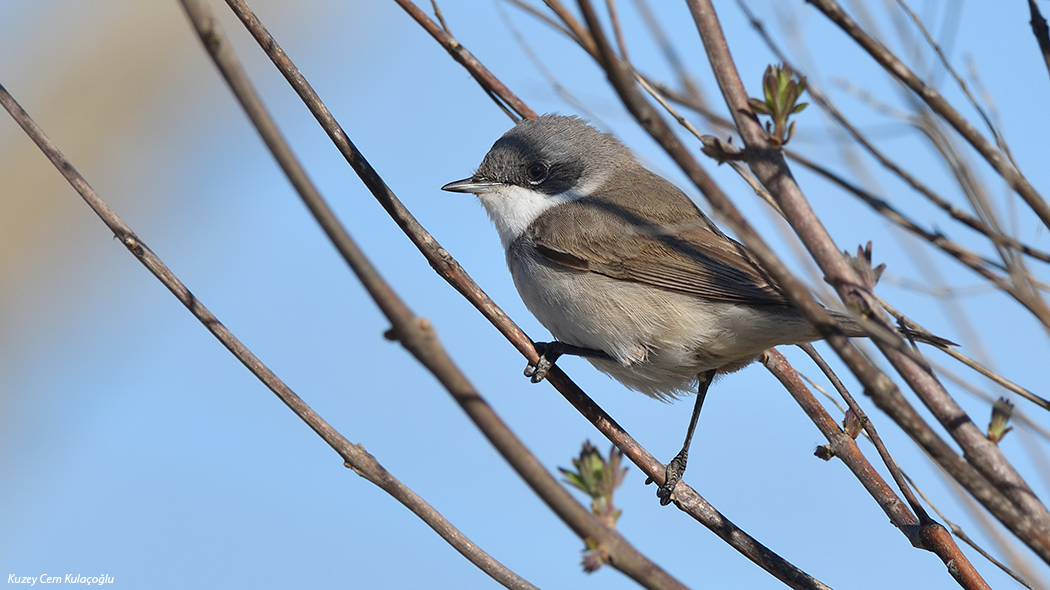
(623, 269)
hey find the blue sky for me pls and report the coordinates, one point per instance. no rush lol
(132, 444)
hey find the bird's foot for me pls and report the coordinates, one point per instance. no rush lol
(672, 475)
(549, 353)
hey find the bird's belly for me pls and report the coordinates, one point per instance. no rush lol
(660, 340)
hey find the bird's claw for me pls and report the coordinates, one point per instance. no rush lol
(538, 372)
(672, 476)
(549, 353)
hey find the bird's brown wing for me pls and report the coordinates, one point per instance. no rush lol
(685, 257)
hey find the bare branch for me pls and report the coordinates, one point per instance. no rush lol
(500, 93)
(923, 532)
(685, 79)
(965, 538)
(999, 140)
(354, 455)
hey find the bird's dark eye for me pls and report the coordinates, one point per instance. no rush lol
(537, 172)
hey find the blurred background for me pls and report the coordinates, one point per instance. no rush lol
(132, 444)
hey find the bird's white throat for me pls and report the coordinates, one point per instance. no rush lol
(513, 208)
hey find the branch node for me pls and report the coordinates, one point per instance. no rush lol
(132, 244)
(424, 326)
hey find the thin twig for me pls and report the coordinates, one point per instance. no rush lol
(846, 448)
(536, 13)
(999, 140)
(961, 534)
(502, 95)
(908, 483)
(685, 78)
(936, 238)
(1018, 417)
(614, 21)
(923, 532)
(972, 363)
(1020, 277)
(560, 89)
(1041, 31)
(869, 429)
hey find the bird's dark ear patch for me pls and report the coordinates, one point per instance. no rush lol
(563, 258)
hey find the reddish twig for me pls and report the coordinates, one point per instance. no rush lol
(922, 531)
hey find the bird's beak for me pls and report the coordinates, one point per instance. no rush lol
(469, 185)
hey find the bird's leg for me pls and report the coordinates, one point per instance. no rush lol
(676, 467)
(549, 353)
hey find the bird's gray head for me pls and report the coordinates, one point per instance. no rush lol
(539, 164)
(551, 154)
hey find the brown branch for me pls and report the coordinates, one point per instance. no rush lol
(354, 455)
(686, 498)
(904, 482)
(415, 333)
(582, 35)
(869, 429)
(892, 402)
(959, 532)
(939, 105)
(614, 21)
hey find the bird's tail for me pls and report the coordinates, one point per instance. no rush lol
(853, 329)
